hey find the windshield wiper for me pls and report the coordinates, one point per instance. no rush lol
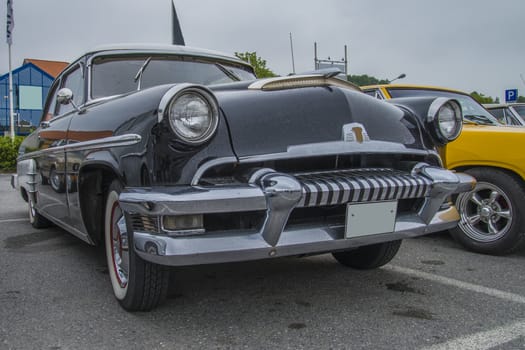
(138, 76)
(228, 72)
(479, 119)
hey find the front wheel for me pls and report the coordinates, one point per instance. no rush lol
(492, 213)
(137, 284)
(370, 256)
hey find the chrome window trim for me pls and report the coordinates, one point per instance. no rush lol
(182, 51)
(516, 115)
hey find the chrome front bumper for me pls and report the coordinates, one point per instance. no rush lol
(278, 194)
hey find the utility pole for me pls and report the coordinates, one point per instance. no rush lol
(291, 49)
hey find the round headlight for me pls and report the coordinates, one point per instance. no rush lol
(193, 115)
(446, 119)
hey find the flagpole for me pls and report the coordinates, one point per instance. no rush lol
(11, 112)
(9, 39)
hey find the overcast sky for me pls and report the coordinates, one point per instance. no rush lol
(463, 44)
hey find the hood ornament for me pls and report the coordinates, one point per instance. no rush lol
(355, 132)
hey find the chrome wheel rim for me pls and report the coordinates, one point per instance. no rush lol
(119, 246)
(486, 213)
(55, 180)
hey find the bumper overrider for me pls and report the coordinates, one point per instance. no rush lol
(370, 191)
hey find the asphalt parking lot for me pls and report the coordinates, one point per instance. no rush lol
(55, 294)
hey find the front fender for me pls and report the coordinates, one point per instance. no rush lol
(491, 146)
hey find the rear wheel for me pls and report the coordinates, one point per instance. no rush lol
(36, 220)
(492, 213)
(137, 284)
(370, 256)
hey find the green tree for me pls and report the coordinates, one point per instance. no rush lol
(482, 98)
(364, 79)
(521, 99)
(258, 64)
(9, 152)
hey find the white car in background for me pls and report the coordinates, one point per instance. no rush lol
(508, 113)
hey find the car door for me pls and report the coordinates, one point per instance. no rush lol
(56, 184)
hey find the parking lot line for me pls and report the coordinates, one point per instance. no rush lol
(515, 298)
(484, 340)
(2, 221)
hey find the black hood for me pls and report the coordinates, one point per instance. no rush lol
(263, 122)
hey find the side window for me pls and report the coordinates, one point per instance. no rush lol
(75, 82)
(498, 113)
(374, 93)
(510, 119)
(50, 107)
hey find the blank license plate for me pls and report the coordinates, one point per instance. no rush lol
(366, 219)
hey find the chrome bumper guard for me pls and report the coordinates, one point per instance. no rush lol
(14, 181)
(278, 194)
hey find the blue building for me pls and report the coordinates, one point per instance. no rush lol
(31, 83)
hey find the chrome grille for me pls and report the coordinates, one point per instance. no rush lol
(360, 185)
(145, 223)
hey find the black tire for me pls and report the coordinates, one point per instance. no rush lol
(370, 256)
(144, 285)
(492, 215)
(36, 219)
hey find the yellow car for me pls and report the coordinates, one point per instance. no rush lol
(493, 214)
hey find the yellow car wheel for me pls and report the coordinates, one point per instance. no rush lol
(492, 213)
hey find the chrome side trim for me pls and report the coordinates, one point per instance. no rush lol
(210, 164)
(317, 149)
(337, 148)
(112, 141)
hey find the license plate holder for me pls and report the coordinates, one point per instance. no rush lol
(365, 219)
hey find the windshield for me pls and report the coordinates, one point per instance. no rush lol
(472, 110)
(520, 110)
(118, 75)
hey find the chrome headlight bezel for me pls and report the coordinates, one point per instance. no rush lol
(441, 113)
(179, 94)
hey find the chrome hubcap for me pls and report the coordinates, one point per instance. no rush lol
(55, 180)
(486, 213)
(119, 246)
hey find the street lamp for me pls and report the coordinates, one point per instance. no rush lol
(401, 76)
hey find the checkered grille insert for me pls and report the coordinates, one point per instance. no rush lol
(360, 185)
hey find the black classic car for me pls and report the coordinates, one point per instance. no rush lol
(172, 156)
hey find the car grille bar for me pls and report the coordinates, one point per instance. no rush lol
(360, 185)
